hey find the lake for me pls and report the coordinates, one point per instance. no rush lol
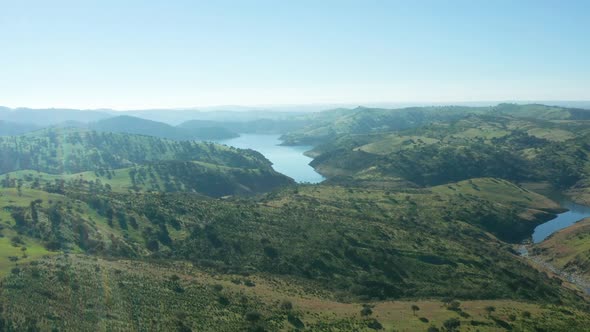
(288, 160)
(576, 213)
(291, 161)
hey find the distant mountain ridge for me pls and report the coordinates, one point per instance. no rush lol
(134, 125)
(10, 128)
(50, 116)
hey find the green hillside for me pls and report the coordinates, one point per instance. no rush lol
(416, 228)
(162, 176)
(516, 149)
(568, 250)
(335, 244)
(361, 120)
(92, 294)
(58, 151)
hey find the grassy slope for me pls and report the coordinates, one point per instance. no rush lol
(375, 243)
(367, 243)
(8, 248)
(517, 149)
(364, 120)
(568, 249)
(59, 151)
(171, 176)
(35, 237)
(95, 294)
(329, 125)
(332, 242)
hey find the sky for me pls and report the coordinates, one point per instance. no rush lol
(126, 54)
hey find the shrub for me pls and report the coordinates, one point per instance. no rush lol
(253, 316)
(223, 300)
(452, 324)
(454, 305)
(375, 325)
(366, 311)
(286, 305)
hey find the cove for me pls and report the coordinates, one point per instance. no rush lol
(575, 213)
(288, 160)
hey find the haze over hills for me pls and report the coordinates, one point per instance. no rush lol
(286, 166)
(135, 125)
(453, 190)
(232, 113)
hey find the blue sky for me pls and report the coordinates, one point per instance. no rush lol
(144, 54)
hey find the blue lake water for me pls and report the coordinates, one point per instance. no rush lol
(288, 160)
(291, 161)
(576, 213)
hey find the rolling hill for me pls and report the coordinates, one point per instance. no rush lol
(417, 227)
(57, 151)
(280, 261)
(134, 125)
(513, 148)
(126, 162)
(362, 120)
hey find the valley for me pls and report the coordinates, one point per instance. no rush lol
(414, 224)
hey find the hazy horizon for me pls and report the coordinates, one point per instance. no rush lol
(319, 106)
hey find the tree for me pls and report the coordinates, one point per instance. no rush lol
(454, 305)
(415, 308)
(490, 309)
(19, 187)
(366, 311)
(452, 324)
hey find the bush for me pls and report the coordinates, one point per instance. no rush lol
(295, 321)
(454, 305)
(286, 305)
(223, 300)
(253, 316)
(366, 311)
(375, 325)
(452, 324)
